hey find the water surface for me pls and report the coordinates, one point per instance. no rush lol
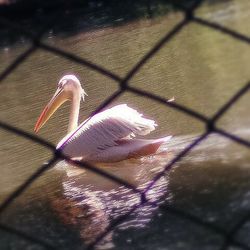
(69, 207)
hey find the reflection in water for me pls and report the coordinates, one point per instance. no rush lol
(211, 182)
(90, 202)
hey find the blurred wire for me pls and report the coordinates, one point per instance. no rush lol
(123, 83)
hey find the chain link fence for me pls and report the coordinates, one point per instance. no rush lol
(210, 124)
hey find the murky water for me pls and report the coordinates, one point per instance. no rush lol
(69, 207)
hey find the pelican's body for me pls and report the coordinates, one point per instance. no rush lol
(108, 136)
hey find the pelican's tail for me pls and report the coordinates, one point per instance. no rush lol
(143, 147)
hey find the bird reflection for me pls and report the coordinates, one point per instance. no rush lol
(89, 202)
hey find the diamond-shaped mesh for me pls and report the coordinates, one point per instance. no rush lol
(123, 83)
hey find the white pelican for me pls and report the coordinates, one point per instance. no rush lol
(105, 137)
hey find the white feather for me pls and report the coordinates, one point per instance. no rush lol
(103, 130)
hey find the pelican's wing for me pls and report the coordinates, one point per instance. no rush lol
(104, 129)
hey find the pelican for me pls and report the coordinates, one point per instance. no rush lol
(108, 136)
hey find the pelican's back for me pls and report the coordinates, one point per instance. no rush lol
(103, 130)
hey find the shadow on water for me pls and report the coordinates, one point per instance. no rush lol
(64, 18)
(67, 18)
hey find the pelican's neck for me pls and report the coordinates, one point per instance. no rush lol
(74, 112)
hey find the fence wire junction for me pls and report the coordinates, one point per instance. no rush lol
(209, 122)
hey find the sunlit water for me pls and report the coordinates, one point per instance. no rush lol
(70, 207)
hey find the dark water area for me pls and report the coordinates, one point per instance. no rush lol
(65, 18)
(58, 17)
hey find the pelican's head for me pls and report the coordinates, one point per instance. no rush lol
(68, 88)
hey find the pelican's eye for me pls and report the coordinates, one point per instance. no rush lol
(62, 83)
